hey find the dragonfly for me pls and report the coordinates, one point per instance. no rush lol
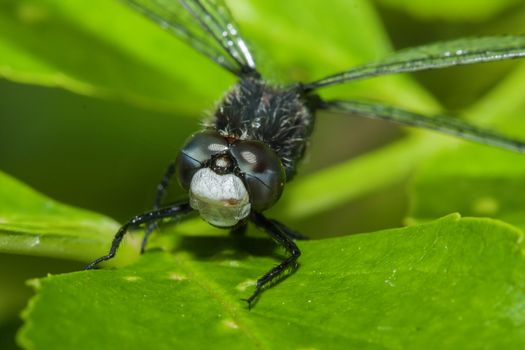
(237, 166)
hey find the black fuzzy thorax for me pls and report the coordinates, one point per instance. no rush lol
(281, 118)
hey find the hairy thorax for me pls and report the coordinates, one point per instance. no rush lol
(281, 118)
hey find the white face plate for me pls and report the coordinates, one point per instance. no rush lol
(222, 200)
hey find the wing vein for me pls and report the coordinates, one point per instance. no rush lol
(433, 56)
(444, 124)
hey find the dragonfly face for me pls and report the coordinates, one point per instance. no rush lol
(226, 177)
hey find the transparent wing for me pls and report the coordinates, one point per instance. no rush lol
(206, 25)
(433, 56)
(448, 125)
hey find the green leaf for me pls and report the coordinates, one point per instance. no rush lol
(452, 10)
(103, 48)
(490, 186)
(453, 283)
(33, 224)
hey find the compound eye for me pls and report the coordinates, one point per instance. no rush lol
(199, 148)
(264, 173)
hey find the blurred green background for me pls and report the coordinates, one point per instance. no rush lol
(106, 152)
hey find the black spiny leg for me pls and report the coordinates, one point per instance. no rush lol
(161, 191)
(151, 216)
(275, 230)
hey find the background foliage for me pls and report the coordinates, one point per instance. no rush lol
(95, 100)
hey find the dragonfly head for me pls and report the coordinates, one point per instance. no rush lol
(227, 178)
